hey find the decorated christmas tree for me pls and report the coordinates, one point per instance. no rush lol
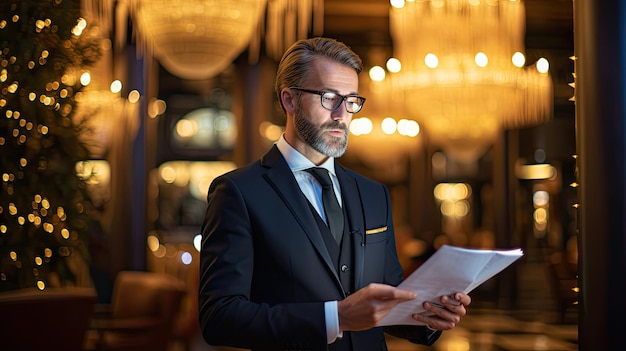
(44, 206)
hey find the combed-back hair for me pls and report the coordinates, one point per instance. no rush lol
(296, 62)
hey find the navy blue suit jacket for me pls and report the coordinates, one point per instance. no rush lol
(265, 270)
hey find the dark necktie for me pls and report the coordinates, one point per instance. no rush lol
(334, 214)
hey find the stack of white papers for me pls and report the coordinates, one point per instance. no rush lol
(449, 270)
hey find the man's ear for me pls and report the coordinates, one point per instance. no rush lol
(288, 98)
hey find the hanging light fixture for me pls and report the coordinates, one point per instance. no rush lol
(463, 75)
(196, 39)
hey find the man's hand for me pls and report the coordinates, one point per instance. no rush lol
(368, 306)
(448, 314)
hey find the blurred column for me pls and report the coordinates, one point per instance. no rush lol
(505, 153)
(253, 104)
(599, 41)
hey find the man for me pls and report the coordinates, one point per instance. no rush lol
(273, 274)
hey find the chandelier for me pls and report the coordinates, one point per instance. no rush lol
(198, 39)
(463, 75)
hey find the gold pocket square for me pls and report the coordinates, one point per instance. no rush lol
(376, 230)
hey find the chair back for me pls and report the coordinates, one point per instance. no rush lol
(144, 307)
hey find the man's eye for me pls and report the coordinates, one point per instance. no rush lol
(330, 97)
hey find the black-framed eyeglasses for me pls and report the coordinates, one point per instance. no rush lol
(331, 101)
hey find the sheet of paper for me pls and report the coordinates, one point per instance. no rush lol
(450, 269)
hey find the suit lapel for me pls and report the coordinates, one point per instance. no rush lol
(356, 223)
(280, 177)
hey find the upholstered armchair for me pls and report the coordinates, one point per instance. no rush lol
(141, 315)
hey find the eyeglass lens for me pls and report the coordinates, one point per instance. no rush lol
(332, 101)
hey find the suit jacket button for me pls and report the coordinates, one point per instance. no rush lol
(344, 268)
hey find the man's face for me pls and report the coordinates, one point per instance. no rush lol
(330, 138)
(326, 131)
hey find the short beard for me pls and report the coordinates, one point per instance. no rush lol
(333, 146)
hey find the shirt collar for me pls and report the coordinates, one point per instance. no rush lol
(297, 161)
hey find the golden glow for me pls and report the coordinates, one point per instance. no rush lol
(536, 171)
(80, 27)
(388, 125)
(397, 3)
(377, 73)
(452, 191)
(133, 96)
(431, 60)
(463, 77)
(541, 198)
(186, 128)
(116, 86)
(197, 176)
(270, 131)
(156, 107)
(85, 78)
(543, 65)
(394, 65)
(540, 215)
(200, 39)
(361, 126)
(94, 172)
(153, 243)
(481, 59)
(48, 227)
(408, 128)
(197, 242)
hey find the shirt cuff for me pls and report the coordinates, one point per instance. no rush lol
(332, 321)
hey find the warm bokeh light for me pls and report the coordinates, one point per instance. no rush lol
(377, 73)
(270, 131)
(541, 198)
(518, 59)
(452, 191)
(408, 127)
(197, 242)
(186, 128)
(134, 96)
(388, 125)
(116, 86)
(481, 59)
(535, 171)
(397, 3)
(156, 107)
(85, 78)
(361, 126)
(543, 66)
(431, 61)
(394, 65)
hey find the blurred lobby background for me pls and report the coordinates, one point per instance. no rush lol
(476, 120)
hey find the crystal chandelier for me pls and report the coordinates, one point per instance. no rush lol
(196, 39)
(463, 75)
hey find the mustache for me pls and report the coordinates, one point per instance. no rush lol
(335, 125)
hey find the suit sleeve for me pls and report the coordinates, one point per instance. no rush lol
(226, 313)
